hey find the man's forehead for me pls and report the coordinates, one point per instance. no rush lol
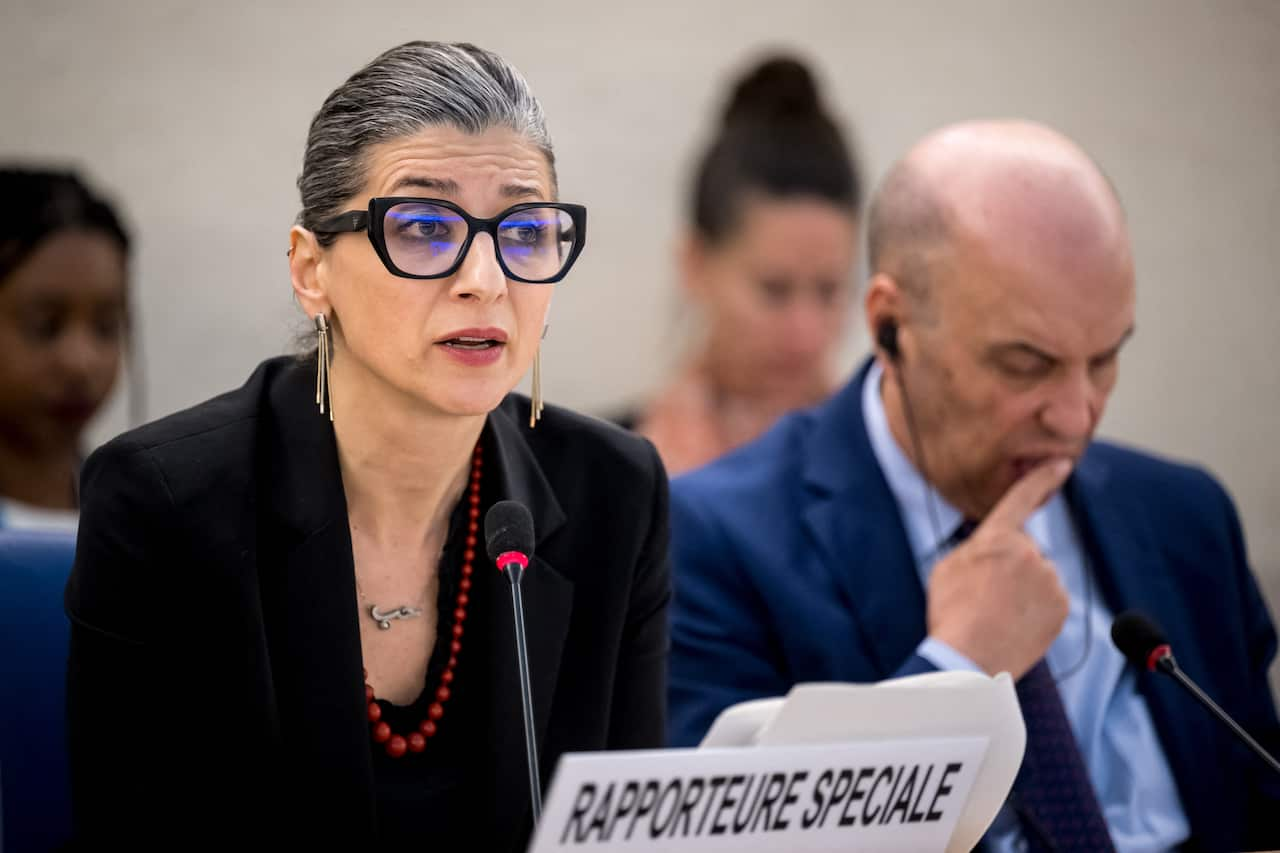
(1065, 304)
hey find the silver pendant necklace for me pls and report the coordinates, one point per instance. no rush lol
(384, 619)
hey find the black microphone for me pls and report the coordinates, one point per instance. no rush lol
(508, 539)
(1141, 641)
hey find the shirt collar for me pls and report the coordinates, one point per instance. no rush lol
(911, 491)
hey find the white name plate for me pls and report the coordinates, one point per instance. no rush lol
(861, 796)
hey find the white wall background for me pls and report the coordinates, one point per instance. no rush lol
(193, 115)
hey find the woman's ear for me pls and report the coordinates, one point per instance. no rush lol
(306, 270)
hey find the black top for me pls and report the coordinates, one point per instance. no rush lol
(435, 791)
(215, 695)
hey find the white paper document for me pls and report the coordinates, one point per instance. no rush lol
(930, 705)
(918, 765)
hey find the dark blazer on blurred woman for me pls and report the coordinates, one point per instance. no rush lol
(222, 561)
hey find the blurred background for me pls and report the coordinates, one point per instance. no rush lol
(191, 117)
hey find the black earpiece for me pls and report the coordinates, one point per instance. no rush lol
(887, 338)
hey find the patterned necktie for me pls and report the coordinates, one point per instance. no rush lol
(1052, 796)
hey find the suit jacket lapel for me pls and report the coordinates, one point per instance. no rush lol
(1127, 561)
(548, 605)
(1123, 550)
(853, 519)
(307, 586)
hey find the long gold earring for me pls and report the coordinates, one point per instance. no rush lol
(535, 402)
(535, 398)
(324, 393)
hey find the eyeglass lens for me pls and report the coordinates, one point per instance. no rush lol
(425, 239)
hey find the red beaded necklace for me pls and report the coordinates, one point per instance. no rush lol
(396, 745)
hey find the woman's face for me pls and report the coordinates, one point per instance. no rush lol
(62, 323)
(776, 293)
(455, 345)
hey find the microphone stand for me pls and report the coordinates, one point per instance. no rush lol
(1166, 664)
(514, 572)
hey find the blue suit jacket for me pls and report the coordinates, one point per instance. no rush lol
(792, 564)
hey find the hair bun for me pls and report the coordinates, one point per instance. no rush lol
(779, 87)
(777, 139)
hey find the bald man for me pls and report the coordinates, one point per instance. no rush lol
(949, 509)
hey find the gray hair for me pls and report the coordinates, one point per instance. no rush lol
(907, 228)
(416, 85)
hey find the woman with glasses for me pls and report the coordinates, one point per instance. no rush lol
(285, 626)
(767, 264)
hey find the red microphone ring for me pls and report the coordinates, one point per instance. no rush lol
(506, 558)
(1158, 654)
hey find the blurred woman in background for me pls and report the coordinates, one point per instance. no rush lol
(768, 262)
(63, 265)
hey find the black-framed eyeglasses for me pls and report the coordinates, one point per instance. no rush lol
(536, 242)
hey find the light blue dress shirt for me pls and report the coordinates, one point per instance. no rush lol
(1112, 725)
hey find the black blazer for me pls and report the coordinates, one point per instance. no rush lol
(214, 681)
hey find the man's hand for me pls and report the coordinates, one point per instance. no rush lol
(996, 599)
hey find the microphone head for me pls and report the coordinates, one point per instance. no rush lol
(1137, 638)
(508, 527)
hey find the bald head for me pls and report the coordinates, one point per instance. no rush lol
(1003, 186)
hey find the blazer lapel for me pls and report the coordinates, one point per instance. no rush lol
(548, 606)
(1127, 561)
(1123, 549)
(307, 586)
(854, 522)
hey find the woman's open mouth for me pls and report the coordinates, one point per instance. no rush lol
(474, 347)
(472, 343)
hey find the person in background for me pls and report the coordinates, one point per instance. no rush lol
(768, 262)
(63, 319)
(286, 631)
(950, 509)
